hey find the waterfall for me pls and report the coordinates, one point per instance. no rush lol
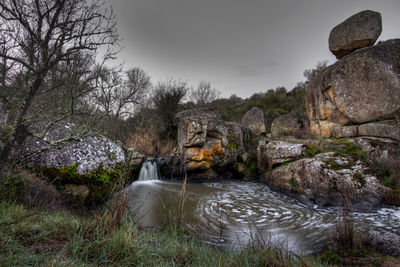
(149, 170)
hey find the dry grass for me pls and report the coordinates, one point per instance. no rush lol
(147, 142)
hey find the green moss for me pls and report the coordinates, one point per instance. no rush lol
(312, 150)
(332, 164)
(358, 177)
(293, 183)
(250, 169)
(101, 182)
(232, 142)
(349, 149)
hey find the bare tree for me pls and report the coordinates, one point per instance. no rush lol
(204, 94)
(119, 93)
(38, 36)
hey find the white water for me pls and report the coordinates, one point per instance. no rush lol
(149, 170)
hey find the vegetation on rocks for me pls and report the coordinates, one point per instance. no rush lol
(102, 183)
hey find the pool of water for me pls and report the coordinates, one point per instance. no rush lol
(235, 214)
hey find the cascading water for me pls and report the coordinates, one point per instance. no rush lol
(149, 170)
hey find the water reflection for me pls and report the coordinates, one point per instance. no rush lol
(234, 214)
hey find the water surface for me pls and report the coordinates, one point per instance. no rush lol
(236, 214)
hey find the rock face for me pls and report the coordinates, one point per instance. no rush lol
(254, 120)
(358, 31)
(206, 142)
(358, 95)
(288, 124)
(329, 180)
(88, 152)
(277, 151)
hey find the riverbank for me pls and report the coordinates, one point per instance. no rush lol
(32, 237)
(61, 237)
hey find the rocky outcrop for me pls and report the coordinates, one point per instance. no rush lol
(254, 120)
(328, 179)
(288, 124)
(88, 153)
(358, 31)
(207, 142)
(277, 151)
(359, 95)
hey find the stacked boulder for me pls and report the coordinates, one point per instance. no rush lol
(360, 94)
(359, 31)
(357, 98)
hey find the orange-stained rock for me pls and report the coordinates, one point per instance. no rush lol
(217, 149)
(198, 154)
(195, 165)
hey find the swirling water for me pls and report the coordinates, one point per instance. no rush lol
(236, 214)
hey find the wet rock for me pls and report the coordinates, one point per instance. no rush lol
(358, 31)
(203, 175)
(330, 180)
(385, 242)
(254, 120)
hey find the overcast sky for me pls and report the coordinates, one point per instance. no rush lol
(240, 46)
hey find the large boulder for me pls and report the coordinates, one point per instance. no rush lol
(207, 142)
(361, 88)
(254, 120)
(88, 153)
(328, 179)
(358, 31)
(288, 124)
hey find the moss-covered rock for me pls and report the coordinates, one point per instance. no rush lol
(329, 179)
(101, 182)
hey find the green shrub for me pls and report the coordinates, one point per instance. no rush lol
(312, 150)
